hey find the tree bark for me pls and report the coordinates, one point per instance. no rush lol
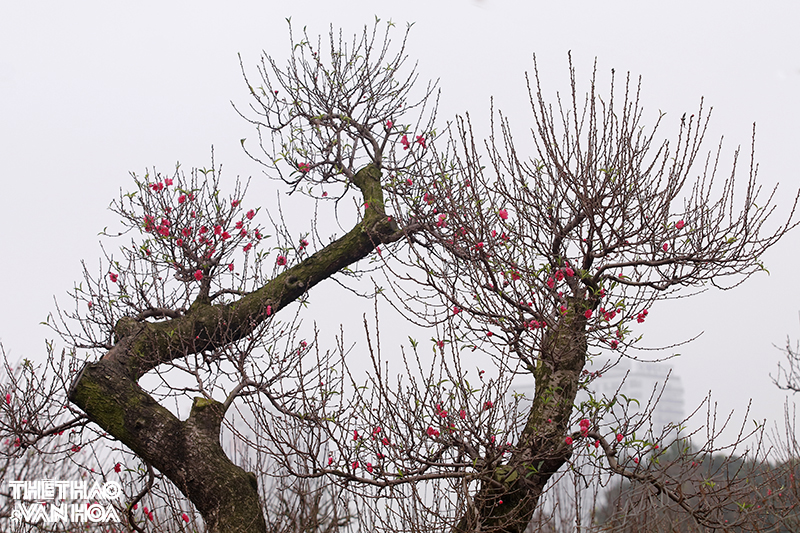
(510, 493)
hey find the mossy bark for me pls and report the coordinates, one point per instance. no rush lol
(510, 493)
(189, 452)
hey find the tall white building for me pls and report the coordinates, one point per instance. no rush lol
(640, 381)
(662, 404)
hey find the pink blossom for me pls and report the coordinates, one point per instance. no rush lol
(405, 143)
(614, 344)
(198, 275)
(281, 261)
(421, 140)
(503, 214)
(168, 181)
(217, 230)
(303, 167)
(181, 198)
(157, 187)
(568, 440)
(588, 313)
(185, 517)
(665, 247)
(250, 214)
(230, 267)
(432, 432)
(330, 461)
(117, 467)
(488, 405)
(569, 272)
(679, 224)
(551, 282)
(355, 465)
(303, 243)
(369, 467)
(462, 414)
(409, 182)
(456, 310)
(225, 235)
(113, 277)
(247, 247)
(620, 436)
(389, 124)
(8, 398)
(355, 434)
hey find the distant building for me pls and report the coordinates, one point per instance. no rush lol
(644, 380)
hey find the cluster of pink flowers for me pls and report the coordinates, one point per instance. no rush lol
(641, 316)
(189, 237)
(584, 424)
(607, 315)
(148, 513)
(406, 144)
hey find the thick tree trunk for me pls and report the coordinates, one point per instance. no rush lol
(509, 496)
(189, 452)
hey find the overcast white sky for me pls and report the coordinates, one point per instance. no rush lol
(92, 90)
